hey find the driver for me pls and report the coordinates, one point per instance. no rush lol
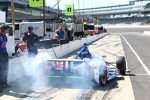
(84, 52)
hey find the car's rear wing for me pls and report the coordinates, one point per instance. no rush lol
(60, 64)
(65, 60)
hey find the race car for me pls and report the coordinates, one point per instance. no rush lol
(96, 68)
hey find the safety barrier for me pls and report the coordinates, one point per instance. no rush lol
(18, 65)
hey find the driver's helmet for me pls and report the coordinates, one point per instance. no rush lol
(85, 44)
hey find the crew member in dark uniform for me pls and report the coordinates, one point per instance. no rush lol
(32, 41)
(3, 58)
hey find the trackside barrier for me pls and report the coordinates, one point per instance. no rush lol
(19, 65)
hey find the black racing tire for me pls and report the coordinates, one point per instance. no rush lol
(103, 78)
(13, 54)
(121, 65)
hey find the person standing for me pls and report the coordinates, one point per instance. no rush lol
(32, 41)
(61, 34)
(3, 57)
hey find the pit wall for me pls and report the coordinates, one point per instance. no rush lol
(18, 65)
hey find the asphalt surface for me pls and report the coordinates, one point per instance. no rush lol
(138, 60)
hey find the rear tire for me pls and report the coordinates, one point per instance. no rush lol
(121, 65)
(103, 78)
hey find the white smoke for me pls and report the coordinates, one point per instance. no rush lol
(34, 69)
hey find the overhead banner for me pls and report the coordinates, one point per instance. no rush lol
(69, 10)
(35, 3)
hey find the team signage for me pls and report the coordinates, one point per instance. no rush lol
(35, 3)
(69, 10)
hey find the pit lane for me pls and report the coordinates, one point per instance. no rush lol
(109, 46)
(138, 62)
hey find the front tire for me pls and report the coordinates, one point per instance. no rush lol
(121, 65)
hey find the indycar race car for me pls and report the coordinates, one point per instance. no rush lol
(96, 68)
